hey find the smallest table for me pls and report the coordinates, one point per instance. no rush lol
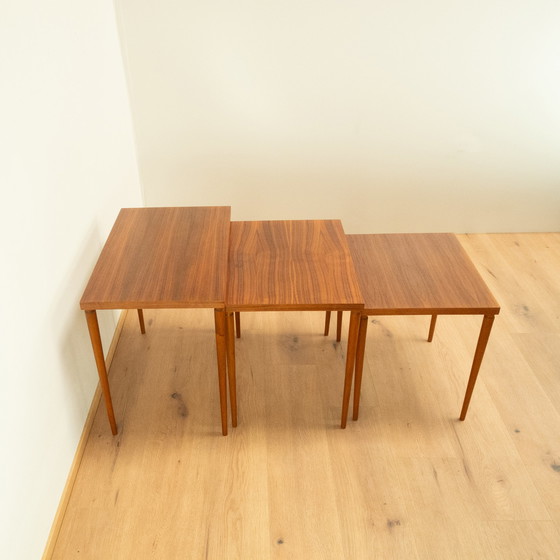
(419, 274)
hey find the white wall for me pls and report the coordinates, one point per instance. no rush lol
(67, 165)
(425, 116)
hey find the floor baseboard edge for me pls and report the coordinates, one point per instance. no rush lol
(67, 491)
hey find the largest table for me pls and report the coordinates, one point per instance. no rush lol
(158, 258)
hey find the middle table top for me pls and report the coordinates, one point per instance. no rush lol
(291, 265)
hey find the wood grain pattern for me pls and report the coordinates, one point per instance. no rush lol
(414, 274)
(162, 258)
(289, 265)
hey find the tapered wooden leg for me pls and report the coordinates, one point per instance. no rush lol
(327, 322)
(238, 324)
(432, 328)
(478, 355)
(350, 362)
(231, 368)
(93, 326)
(220, 326)
(338, 325)
(360, 351)
(141, 320)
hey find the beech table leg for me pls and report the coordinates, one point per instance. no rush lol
(478, 355)
(360, 351)
(238, 324)
(432, 328)
(338, 326)
(350, 362)
(327, 322)
(230, 343)
(141, 320)
(93, 326)
(220, 325)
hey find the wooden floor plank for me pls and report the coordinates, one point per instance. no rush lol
(407, 480)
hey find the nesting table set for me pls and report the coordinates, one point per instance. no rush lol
(195, 257)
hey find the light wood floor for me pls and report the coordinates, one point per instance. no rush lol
(408, 480)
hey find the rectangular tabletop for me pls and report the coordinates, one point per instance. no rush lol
(291, 265)
(407, 274)
(162, 258)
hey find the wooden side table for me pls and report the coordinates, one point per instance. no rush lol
(287, 266)
(419, 274)
(158, 258)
